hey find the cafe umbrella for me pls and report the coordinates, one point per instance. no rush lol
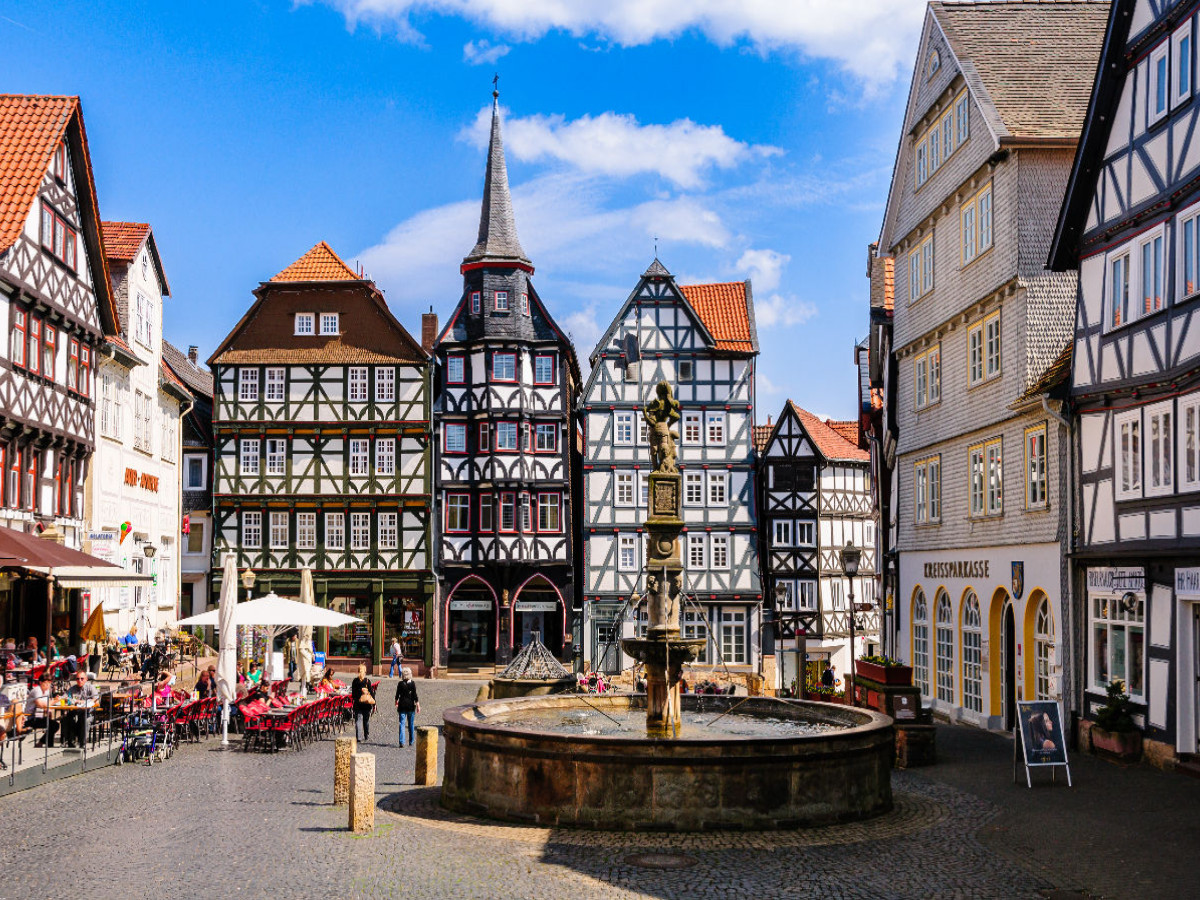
(306, 633)
(227, 637)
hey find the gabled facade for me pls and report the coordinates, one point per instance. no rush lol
(196, 472)
(815, 490)
(321, 415)
(506, 384)
(701, 339)
(994, 112)
(1129, 222)
(133, 489)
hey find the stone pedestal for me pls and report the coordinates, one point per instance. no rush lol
(427, 755)
(343, 750)
(362, 793)
(663, 653)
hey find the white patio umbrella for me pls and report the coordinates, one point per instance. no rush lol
(277, 614)
(306, 632)
(227, 643)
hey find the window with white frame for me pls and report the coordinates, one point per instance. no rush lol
(1151, 258)
(945, 649)
(962, 116)
(715, 423)
(983, 349)
(1036, 487)
(920, 643)
(458, 513)
(306, 531)
(691, 428)
(248, 457)
(456, 437)
(501, 298)
(475, 302)
(624, 489)
(695, 628)
(248, 385)
(358, 384)
(921, 381)
(922, 168)
(719, 551)
(110, 425)
(733, 635)
(975, 476)
(1160, 439)
(627, 553)
(935, 373)
(385, 456)
(1189, 442)
(927, 377)
(543, 369)
(252, 529)
(693, 488)
(1118, 641)
(1181, 70)
(995, 477)
(623, 427)
(304, 323)
(385, 384)
(643, 435)
(718, 488)
(388, 533)
(454, 370)
(276, 456)
(975, 222)
(926, 265)
(1160, 82)
(1188, 230)
(545, 437)
(550, 513)
(329, 323)
(360, 531)
(524, 303)
(276, 380)
(1128, 440)
(335, 531)
(695, 551)
(972, 653)
(195, 472)
(1043, 650)
(359, 456)
(506, 435)
(279, 531)
(927, 490)
(806, 595)
(144, 324)
(781, 533)
(1118, 290)
(975, 354)
(806, 534)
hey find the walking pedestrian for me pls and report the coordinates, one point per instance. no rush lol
(364, 704)
(827, 678)
(407, 705)
(396, 655)
(291, 653)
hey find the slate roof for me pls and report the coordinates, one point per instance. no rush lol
(497, 240)
(539, 325)
(828, 440)
(198, 380)
(318, 264)
(1030, 65)
(1056, 374)
(726, 309)
(31, 128)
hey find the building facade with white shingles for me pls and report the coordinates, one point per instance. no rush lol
(994, 112)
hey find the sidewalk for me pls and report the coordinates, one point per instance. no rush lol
(1120, 831)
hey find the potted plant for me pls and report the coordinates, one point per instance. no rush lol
(814, 690)
(1113, 731)
(883, 670)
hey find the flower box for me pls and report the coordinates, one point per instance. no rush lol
(894, 675)
(1123, 745)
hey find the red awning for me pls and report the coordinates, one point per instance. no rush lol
(71, 568)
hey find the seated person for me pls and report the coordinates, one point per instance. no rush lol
(256, 673)
(78, 723)
(206, 684)
(37, 710)
(12, 717)
(326, 685)
(130, 640)
(33, 655)
(164, 683)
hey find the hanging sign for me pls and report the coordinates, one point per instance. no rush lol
(1039, 731)
(535, 606)
(1187, 582)
(1116, 580)
(471, 605)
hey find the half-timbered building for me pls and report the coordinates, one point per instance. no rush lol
(321, 415)
(57, 305)
(995, 108)
(814, 486)
(1130, 222)
(133, 490)
(701, 339)
(507, 383)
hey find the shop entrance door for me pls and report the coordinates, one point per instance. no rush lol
(472, 630)
(1008, 666)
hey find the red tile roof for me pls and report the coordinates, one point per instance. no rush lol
(122, 240)
(848, 430)
(724, 309)
(171, 378)
(828, 439)
(762, 436)
(318, 264)
(889, 283)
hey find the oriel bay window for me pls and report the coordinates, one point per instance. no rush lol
(506, 437)
(1036, 496)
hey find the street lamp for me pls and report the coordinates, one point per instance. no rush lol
(149, 550)
(850, 558)
(248, 579)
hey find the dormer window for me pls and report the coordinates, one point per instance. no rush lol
(524, 303)
(475, 302)
(60, 162)
(501, 301)
(329, 323)
(304, 323)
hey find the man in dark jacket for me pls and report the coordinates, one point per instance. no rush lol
(407, 705)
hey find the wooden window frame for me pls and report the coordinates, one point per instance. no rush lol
(356, 527)
(1137, 448)
(33, 355)
(476, 302)
(498, 354)
(508, 501)
(1037, 473)
(692, 480)
(279, 383)
(714, 541)
(385, 384)
(306, 531)
(720, 418)
(300, 319)
(248, 388)
(501, 302)
(524, 303)
(1158, 81)
(625, 541)
(387, 529)
(277, 517)
(711, 481)
(619, 418)
(622, 480)
(335, 531)
(358, 384)
(1164, 445)
(553, 369)
(1187, 449)
(693, 420)
(243, 445)
(1182, 64)
(49, 351)
(502, 427)
(62, 239)
(485, 433)
(557, 505)
(20, 331)
(548, 428)
(459, 428)
(247, 527)
(461, 359)
(327, 318)
(351, 456)
(385, 456)
(276, 462)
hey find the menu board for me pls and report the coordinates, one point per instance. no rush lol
(1039, 731)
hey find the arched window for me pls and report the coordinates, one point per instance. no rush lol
(1043, 649)
(945, 648)
(935, 63)
(921, 642)
(972, 653)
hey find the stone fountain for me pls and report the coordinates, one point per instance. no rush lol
(662, 650)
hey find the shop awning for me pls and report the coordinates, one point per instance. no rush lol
(70, 568)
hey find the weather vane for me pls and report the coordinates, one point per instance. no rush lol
(496, 85)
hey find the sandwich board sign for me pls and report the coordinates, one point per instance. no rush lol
(1039, 733)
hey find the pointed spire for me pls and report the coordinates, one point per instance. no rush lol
(498, 239)
(656, 270)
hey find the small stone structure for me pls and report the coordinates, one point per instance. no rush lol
(343, 750)
(533, 672)
(362, 793)
(427, 755)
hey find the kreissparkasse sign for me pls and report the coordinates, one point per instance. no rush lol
(963, 568)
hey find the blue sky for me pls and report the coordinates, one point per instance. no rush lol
(754, 139)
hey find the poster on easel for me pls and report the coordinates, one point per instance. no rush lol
(1039, 733)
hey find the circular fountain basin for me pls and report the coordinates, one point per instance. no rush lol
(560, 760)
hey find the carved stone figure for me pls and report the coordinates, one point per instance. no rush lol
(660, 414)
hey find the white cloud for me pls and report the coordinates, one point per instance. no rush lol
(870, 39)
(483, 52)
(618, 146)
(764, 267)
(683, 220)
(780, 310)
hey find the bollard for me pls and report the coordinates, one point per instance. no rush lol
(343, 750)
(427, 755)
(362, 793)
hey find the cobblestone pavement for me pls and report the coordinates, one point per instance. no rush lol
(212, 824)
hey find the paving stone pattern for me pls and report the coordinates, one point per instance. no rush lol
(212, 824)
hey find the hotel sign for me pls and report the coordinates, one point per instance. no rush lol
(1187, 582)
(143, 480)
(1117, 580)
(963, 568)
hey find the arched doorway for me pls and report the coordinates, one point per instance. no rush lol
(538, 608)
(471, 633)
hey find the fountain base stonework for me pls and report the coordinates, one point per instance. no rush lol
(696, 783)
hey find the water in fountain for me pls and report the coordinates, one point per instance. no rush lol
(696, 724)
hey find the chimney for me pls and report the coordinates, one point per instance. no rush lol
(194, 354)
(428, 330)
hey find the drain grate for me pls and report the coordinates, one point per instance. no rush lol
(661, 860)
